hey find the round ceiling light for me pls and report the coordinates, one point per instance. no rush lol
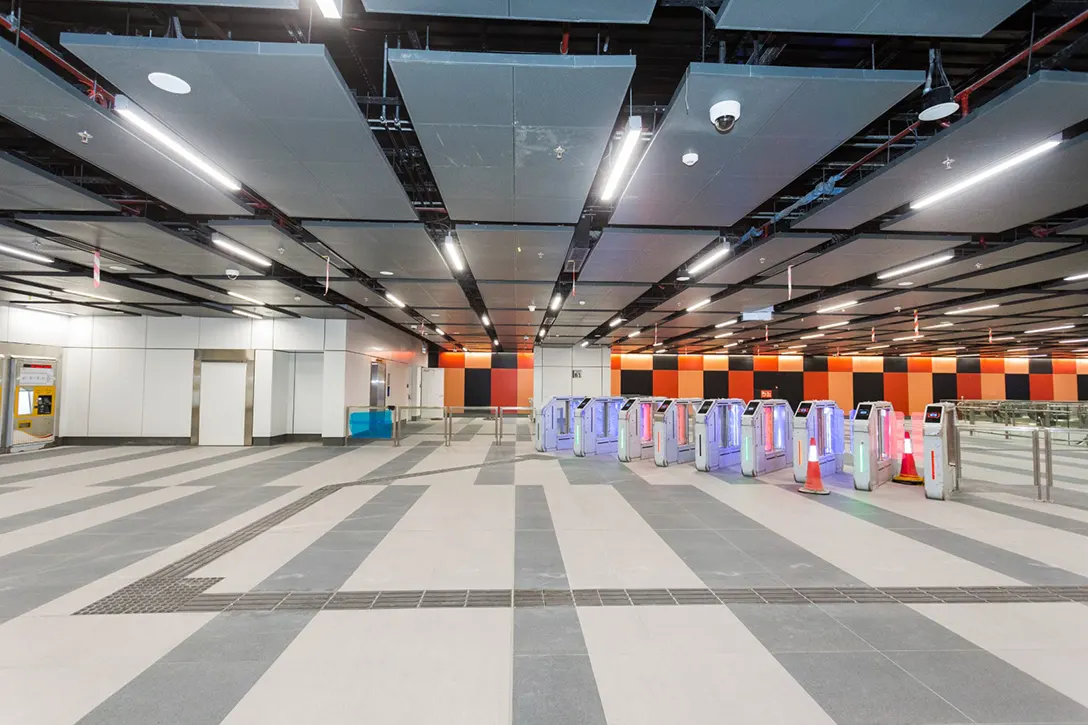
(169, 83)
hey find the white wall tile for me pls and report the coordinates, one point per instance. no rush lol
(263, 375)
(263, 332)
(168, 394)
(127, 332)
(336, 335)
(80, 332)
(585, 357)
(4, 311)
(36, 328)
(225, 334)
(117, 392)
(179, 333)
(309, 393)
(556, 356)
(283, 393)
(299, 335)
(75, 391)
(332, 394)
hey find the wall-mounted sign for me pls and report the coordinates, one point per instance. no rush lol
(766, 394)
(576, 374)
(763, 315)
(36, 375)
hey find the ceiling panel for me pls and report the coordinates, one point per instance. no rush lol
(84, 283)
(866, 254)
(312, 157)
(967, 302)
(1004, 126)
(264, 4)
(1046, 185)
(602, 296)
(263, 236)
(812, 307)
(139, 239)
(568, 11)
(968, 265)
(751, 299)
(578, 317)
(512, 137)
(1050, 306)
(1027, 273)
(517, 317)
(447, 316)
(908, 301)
(642, 255)
(195, 311)
(686, 298)
(39, 101)
(790, 119)
(406, 250)
(269, 291)
(1075, 229)
(498, 296)
(24, 187)
(190, 288)
(357, 292)
(426, 294)
(515, 253)
(765, 256)
(963, 18)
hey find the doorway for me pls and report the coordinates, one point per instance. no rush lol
(222, 398)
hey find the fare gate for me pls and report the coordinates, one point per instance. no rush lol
(636, 428)
(821, 421)
(766, 437)
(717, 433)
(554, 430)
(674, 431)
(596, 426)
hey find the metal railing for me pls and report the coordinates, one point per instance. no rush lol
(1042, 451)
(517, 411)
(403, 414)
(393, 423)
(1046, 414)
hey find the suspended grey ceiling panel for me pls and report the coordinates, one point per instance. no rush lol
(190, 288)
(426, 294)
(865, 255)
(84, 284)
(567, 11)
(403, 249)
(265, 237)
(14, 236)
(446, 316)
(145, 241)
(514, 253)
(908, 301)
(764, 257)
(512, 296)
(754, 298)
(195, 311)
(978, 262)
(512, 137)
(24, 187)
(357, 292)
(1045, 306)
(262, 4)
(1075, 229)
(1046, 185)
(516, 317)
(601, 296)
(838, 299)
(1046, 270)
(573, 316)
(311, 156)
(39, 101)
(790, 119)
(1005, 126)
(962, 18)
(264, 290)
(688, 297)
(642, 255)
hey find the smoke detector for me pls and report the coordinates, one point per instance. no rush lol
(690, 158)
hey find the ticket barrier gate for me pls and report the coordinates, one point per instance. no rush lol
(940, 443)
(636, 428)
(554, 431)
(766, 437)
(821, 421)
(717, 433)
(875, 432)
(674, 431)
(596, 426)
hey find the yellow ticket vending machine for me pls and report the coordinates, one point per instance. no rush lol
(30, 402)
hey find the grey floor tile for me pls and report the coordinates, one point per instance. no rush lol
(538, 561)
(1019, 512)
(404, 462)
(717, 562)
(988, 689)
(797, 628)
(498, 467)
(550, 689)
(136, 455)
(548, 631)
(896, 627)
(160, 473)
(865, 688)
(48, 513)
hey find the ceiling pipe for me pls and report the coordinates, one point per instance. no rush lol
(10, 23)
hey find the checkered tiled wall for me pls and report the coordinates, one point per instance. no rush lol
(487, 378)
(908, 383)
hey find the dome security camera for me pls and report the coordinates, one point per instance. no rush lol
(232, 274)
(724, 115)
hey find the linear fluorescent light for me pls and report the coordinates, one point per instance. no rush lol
(131, 113)
(877, 347)
(697, 305)
(1076, 277)
(909, 337)
(623, 158)
(636, 333)
(1083, 349)
(1003, 339)
(796, 347)
(813, 336)
(724, 334)
(950, 349)
(727, 323)
(969, 310)
(908, 354)
(16, 252)
(239, 251)
(556, 301)
(936, 327)
(659, 351)
(247, 299)
(732, 344)
(89, 295)
(542, 333)
(329, 9)
(48, 311)
(1073, 342)
(246, 313)
(616, 322)
(833, 324)
(485, 319)
(834, 308)
(709, 259)
(985, 174)
(438, 331)
(453, 254)
(1056, 328)
(1022, 349)
(968, 354)
(907, 269)
(585, 344)
(394, 300)
(495, 343)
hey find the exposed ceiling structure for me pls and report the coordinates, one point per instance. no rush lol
(494, 174)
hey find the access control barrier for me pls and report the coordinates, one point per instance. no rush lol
(514, 411)
(1045, 414)
(368, 422)
(403, 423)
(1015, 439)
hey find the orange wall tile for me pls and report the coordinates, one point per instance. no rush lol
(791, 363)
(993, 386)
(840, 364)
(690, 384)
(765, 362)
(992, 365)
(969, 386)
(689, 362)
(1065, 386)
(666, 383)
(615, 382)
(944, 364)
(869, 365)
(525, 360)
(715, 362)
(1064, 367)
(455, 387)
(741, 384)
(525, 386)
(477, 360)
(816, 386)
(840, 388)
(451, 359)
(896, 391)
(617, 362)
(1017, 365)
(504, 386)
(1041, 387)
(1082, 366)
(638, 362)
(919, 392)
(919, 365)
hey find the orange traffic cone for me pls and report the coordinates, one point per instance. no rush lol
(908, 472)
(813, 483)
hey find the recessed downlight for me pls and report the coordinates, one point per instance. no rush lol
(169, 83)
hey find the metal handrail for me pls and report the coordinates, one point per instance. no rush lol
(1042, 455)
(399, 419)
(516, 409)
(490, 409)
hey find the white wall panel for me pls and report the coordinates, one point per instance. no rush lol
(129, 332)
(117, 393)
(80, 332)
(263, 334)
(225, 334)
(309, 392)
(356, 380)
(283, 393)
(555, 355)
(336, 335)
(263, 374)
(332, 394)
(222, 403)
(168, 394)
(588, 357)
(173, 332)
(36, 328)
(300, 334)
(75, 391)
(5, 310)
(399, 379)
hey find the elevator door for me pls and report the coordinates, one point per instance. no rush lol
(222, 403)
(378, 384)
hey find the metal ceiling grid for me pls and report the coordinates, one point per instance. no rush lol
(1043, 306)
(831, 302)
(515, 296)
(686, 298)
(963, 18)
(265, 237)
(140, 239)
(1047, 270)
(24, 187)
(84, 284)
(356, 292)
(647, 318)
(1075, 229)
(426, 293)
(985, 260)
(10, 264)
(195, 311)
(864, 255)
(266, 290)
(908, 301)
(515, 253)
(19, 238)
(1046, 185)
(406, 250)
(791, 118)
(567, 11)
(262, 4)
(314, 156)
(754, 298)
(512, 137)
(39, 101)
(1006, 125)
(190, 288)
(764, 256)
(642, 255)
(807, 323)
(967, 302)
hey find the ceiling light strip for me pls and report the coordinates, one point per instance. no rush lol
(623, 158)
(985, 174)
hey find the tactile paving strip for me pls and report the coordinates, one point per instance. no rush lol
(187, 596)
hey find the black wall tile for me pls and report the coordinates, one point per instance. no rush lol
(1040, 366)
(816, 364)
(868, 386)
(716, 383)
(968, 365)
(1017, 386)
(788, 386)
(895, 364)
(637, 382)
(666, 362)
(944, 387)
(477, 386)
(1082, 387)
(741, 362)
(504, 360)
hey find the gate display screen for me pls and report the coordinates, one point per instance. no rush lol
(803, 409)
(864, 411)
(751, 409)
(627, 405)
(706, 406)
(664, 406)
(933, 415)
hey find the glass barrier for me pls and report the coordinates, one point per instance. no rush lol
(370, 423)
